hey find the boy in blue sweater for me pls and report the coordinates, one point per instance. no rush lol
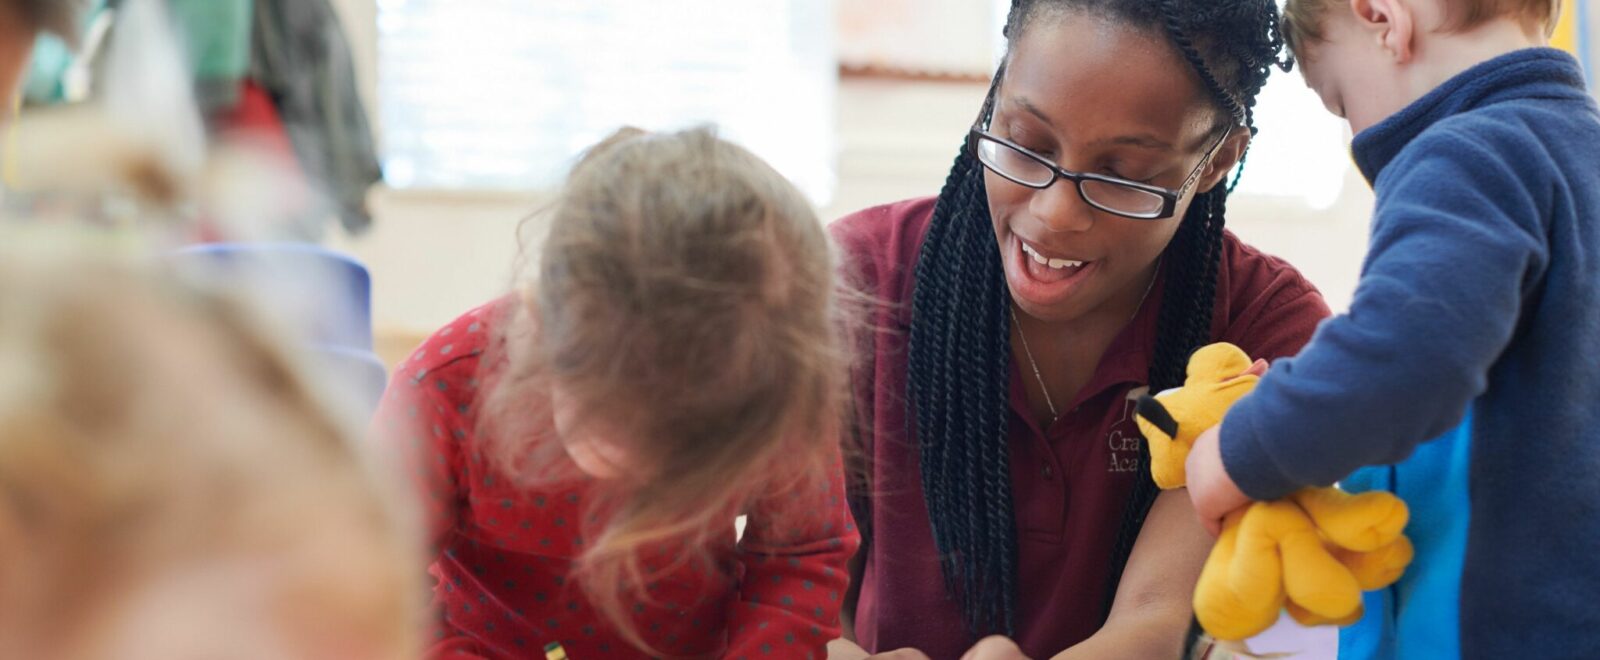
(1466, 375)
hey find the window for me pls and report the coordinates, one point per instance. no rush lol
(502, 94)
(1302, 150)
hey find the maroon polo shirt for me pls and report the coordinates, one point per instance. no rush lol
(1069, 482)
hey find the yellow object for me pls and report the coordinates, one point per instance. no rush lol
(554, 651)
(1312, 553)
(1566, 34)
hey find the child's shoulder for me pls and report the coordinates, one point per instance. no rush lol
(1515, 158)
(454, 350)
(885, 231)
(1527, 138)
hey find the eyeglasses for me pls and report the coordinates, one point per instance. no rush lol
(1129, 199)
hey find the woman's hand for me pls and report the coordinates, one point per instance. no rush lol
(899, 654)
(995, 648)
(844, 649)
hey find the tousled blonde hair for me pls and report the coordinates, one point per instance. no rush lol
(685, 296)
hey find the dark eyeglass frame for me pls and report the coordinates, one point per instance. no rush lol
(1169, 197)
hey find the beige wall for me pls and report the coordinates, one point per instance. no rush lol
(433, 255)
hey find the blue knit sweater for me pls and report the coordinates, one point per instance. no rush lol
(1480, 301)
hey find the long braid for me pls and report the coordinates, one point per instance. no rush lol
(960, 350)
(961, 337)
(1195, 253)
(1180, 38)
(1254, 56)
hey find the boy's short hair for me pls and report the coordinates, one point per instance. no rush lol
(1303, 19)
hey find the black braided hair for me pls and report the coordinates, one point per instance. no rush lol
(960, 352)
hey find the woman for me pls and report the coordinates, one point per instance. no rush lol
(1074, 259)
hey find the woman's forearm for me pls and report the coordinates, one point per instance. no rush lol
(1153, 634)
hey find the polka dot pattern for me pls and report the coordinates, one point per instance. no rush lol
(505, 556)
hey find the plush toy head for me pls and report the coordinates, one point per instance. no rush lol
(1219, 375)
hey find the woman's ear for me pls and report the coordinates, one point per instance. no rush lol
(1227, 156)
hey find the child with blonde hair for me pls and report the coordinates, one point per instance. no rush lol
(587, 444)
(169, 488)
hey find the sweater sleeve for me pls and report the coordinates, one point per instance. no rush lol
(794, 558)
(1456, 243)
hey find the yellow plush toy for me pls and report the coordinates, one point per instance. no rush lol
(1312, 552)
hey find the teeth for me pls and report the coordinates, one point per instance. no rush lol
(1051, 263)
(1037, 257)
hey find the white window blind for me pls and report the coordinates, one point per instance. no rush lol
(502, 94)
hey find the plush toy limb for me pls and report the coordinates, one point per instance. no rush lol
(1310, 575)
(1378, 568)
(1316, 580)
(1308, 618)
(1220, 610)
(1256, 571)
(1356, 522)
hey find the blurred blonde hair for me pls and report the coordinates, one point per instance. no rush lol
(168, 486)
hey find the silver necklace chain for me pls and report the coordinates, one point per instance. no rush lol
(1028, 351)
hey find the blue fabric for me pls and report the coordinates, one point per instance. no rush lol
(1479, 290)
(322, 296)
(1419, 617)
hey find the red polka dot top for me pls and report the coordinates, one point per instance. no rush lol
(503, 557)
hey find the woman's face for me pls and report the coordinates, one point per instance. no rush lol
(1096, 96)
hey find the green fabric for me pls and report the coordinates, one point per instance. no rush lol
(217, 34)
(50, 61)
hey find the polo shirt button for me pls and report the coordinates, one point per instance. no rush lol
(1048, 472)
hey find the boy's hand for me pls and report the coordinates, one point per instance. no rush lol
(1210, 488)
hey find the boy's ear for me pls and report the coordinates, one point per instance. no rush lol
(1390, 22)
